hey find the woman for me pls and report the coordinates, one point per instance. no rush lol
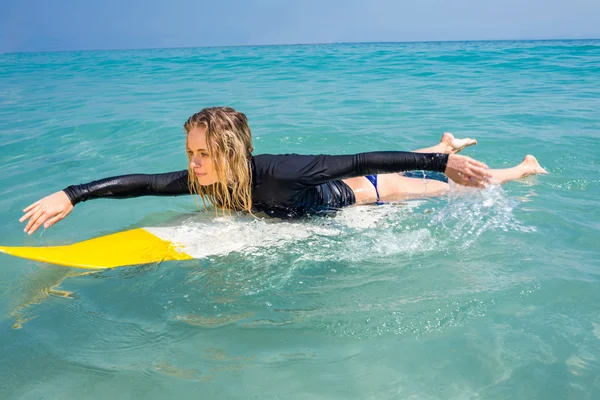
(222, 170)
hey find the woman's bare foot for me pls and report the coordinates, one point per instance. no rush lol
(531, 166)
(448, 145)
(454, 145)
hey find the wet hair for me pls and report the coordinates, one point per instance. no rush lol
(229, 143)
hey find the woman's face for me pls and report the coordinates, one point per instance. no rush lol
(198, 154)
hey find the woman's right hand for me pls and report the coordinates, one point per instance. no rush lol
(47, 211)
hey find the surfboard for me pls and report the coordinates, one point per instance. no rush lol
(132, 247)
(197, 237)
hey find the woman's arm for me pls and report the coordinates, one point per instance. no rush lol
(315, 170)
(57, 206)
(126, 186)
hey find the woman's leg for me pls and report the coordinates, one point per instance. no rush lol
(449, 145)
(529, 166)
(395, 187)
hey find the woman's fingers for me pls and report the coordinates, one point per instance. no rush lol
(467, 171)
(481, 171)
(29, 207)
(478, 164)
(469, 178)
(36, 220)
(477, 183)
(29, 214)
(478, 174)
(53, 220)
(34, 217)
(37, 224)
(48, 210)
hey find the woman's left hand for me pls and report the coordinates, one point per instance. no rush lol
(467, 171)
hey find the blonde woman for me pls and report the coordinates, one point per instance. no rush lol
(223, 171)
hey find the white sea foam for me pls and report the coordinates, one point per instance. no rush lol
(386, 230)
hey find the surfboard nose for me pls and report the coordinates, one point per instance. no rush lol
(133, 247)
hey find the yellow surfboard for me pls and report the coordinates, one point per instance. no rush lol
(136, 246)
(194, 238)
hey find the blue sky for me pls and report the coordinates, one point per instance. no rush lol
(44, 25)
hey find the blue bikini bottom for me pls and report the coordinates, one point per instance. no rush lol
(437, 176)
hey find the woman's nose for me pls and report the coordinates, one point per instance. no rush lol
(195, 162)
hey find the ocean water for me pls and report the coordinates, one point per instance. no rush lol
(492, 294)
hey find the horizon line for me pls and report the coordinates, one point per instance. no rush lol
(303, 44)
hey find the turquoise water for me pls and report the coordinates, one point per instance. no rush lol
(487, 295)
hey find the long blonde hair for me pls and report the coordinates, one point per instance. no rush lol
(229, 142)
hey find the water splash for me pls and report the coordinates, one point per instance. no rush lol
(471, 213)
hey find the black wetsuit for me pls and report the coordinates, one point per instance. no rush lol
(284, 186)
